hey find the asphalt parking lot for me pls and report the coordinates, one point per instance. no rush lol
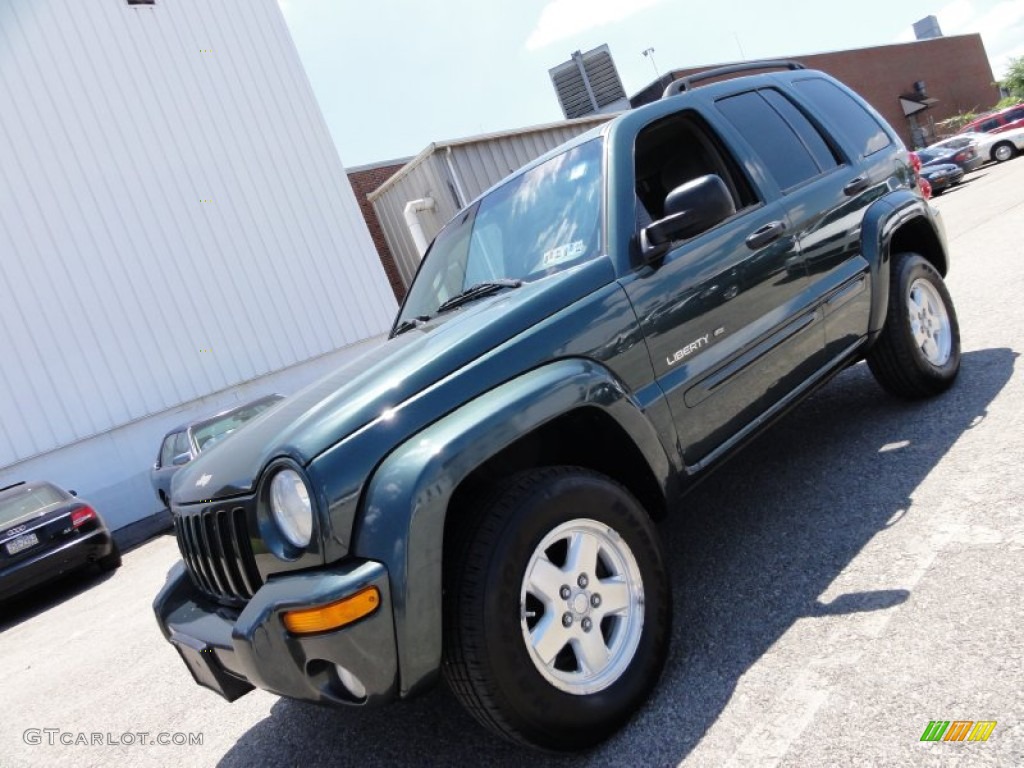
(852, 575)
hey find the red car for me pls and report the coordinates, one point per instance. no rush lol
(997, 122)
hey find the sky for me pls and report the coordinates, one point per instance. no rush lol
(393, 76)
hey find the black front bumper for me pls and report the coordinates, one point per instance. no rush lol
(230, 650)
(50, 564)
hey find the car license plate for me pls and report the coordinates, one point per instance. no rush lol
(21, 543)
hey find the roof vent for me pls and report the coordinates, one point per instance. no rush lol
(589, 83)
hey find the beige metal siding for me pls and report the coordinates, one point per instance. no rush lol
(174, 218)
(428, 179)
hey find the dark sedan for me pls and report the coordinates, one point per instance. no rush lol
(46, 532)
(966, 158)
(942, 176)
(184, 443)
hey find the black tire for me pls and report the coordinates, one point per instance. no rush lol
(1003, 151)
(487, 661)
(111, 561)
(897, 361)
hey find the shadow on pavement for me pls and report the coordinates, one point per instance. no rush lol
(40, 599)
(758, 544)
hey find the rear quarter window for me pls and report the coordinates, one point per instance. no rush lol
(861, 129)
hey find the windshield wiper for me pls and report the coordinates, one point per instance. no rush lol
(477, 291)
(408, 325)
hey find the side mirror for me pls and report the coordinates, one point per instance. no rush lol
(73, 493)
(690, 209)
(181, 459)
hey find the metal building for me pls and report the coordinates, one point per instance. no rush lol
(434, 185)
(177, 233)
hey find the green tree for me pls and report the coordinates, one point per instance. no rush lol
(1014, 79)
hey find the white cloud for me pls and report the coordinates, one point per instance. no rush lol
(561, 19)
(956, 17)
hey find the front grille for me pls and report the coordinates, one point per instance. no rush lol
(215, 546)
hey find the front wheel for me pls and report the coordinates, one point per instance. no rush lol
(557, 612)
(918, 352)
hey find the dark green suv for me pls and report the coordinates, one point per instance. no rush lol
(477, 497)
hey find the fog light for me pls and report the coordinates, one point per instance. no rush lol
(333, 615)
(351, 682)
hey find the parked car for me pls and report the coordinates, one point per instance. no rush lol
(998, 147)
(967, 158)
(942, 176)
(185, 442)
(46, 532)
(476, 497)
(997, 122)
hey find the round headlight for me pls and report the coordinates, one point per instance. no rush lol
(291, 508)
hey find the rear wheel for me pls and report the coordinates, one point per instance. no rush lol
(918, 353)
(1003, 151)
(557, 612)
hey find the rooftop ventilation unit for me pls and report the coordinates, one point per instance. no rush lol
(589, 83)
(927, 28)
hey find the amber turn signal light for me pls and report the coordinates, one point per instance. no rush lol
(333, 615)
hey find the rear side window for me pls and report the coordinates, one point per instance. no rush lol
(1015, 114)
(787, 143)
(859, 126)
(989, 125)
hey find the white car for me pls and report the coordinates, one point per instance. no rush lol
(999, 147)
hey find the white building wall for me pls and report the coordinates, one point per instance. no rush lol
(174, 221)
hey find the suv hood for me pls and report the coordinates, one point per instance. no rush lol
(329, 410)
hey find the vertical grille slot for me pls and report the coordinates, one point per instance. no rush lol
(229, 562)
(214, 552)
(246, 558)
(218, 554)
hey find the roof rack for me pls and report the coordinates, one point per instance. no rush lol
(13, 485)
(686, 83)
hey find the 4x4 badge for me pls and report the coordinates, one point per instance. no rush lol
(202, 481)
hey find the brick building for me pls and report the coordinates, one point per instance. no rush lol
(954, 71)
(365, 179)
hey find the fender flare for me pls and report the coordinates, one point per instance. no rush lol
(403, 512)
(881, 222)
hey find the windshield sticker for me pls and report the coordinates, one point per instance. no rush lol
(564, 253)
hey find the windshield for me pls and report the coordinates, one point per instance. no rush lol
(28, 500)
(544, 221)
(927, 155)
(209, 432)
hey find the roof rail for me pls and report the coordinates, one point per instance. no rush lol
(14, 485)
(686, 83)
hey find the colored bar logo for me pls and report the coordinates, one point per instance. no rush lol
(958, 730)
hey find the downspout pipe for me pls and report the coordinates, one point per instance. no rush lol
(412, 220)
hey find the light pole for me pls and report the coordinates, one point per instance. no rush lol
(649, 53)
